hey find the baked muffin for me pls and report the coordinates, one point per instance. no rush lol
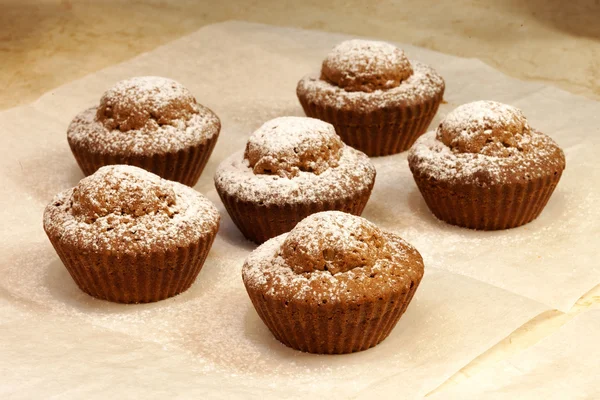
(486, 168)
(292, 167)
(128, 236)
(378, 100)
(150, 122)
(335, 284)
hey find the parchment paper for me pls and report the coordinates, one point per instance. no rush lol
(60, 341)
(248, 73)
(210, 341)
(562, 366)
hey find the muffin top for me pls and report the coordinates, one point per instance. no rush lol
(144, 115)
(487, 143)
(293, 160)
(365, 66)
(333, 257)
(365, 75)
(125, 209)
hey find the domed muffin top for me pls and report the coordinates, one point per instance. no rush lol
(287, 145)
(145, 102)
(367, 76)
(122, 209)
(366, 66)
(334, 242)
(332, 256)
(487, 143)
(143, 116)
(292, 160)
(121, 191)
(485, 127)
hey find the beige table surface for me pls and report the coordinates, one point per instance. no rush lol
(44, 44)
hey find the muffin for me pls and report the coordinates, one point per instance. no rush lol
(486, 168)
(335, 284)
(292, 167)
(378, 100)
(129, 236)
(150, 122)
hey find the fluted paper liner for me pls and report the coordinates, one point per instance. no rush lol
(381, 132)
(260, 222)
(488, 208)
(333, 327)
(185, 165)
(135, 278)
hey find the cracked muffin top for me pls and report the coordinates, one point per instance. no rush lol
(144, 115)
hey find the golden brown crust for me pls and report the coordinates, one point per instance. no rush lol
(485, 127)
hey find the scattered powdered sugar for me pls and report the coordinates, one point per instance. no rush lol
(124, 209)
(285, 146)
(485, 143)
(388, 264)
(422, 85)
(144, 115)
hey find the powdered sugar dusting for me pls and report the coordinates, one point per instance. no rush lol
(149, 89)
(268, 267)
(422, 85)
(144, 115)
(293, 160)
(485, 143)
(364, 65)
(367, 51)
(486, 127)
(478, 116)
(335, 242)
(354, 173)
(124, 209)
(287, 145)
